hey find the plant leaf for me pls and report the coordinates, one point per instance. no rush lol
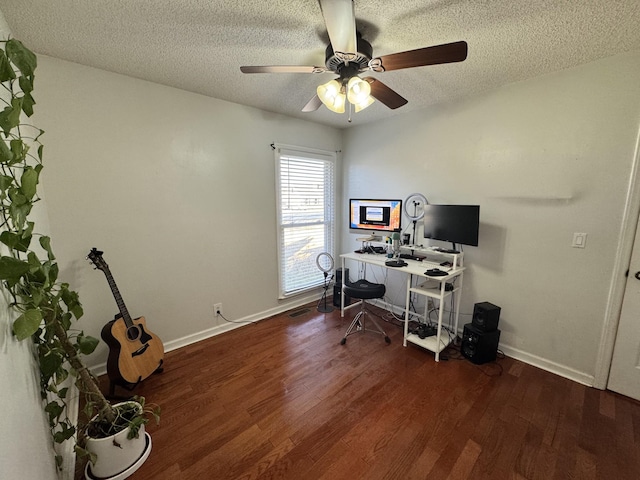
(6, 155)
(45, 242)
(18, 242)
(5, 180)
(10, 239)
(65, 434)
(29, 181)
(27, 324)
(87, 344)
(50, 363)
(12, 268)
(19, 150)
(26, 85)
(10, 116)
(54, 409)
(27, 104)
(6, 70)
(21, 56)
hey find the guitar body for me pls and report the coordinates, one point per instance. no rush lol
(134, 352)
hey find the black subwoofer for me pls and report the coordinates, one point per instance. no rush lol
(479, 346)
(337, 287)
(486, 316)
(337, 293)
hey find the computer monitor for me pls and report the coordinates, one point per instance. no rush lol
(452, 223)
(384, 216)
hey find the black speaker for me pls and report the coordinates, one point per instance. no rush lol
(479, 346)
(339, 275)
(486, 316)
(337, 293)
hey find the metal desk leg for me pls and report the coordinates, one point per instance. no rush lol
(342, 291)
(440, 312)
(406, 312)
(458, 297)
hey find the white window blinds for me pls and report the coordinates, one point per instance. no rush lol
(305, 184)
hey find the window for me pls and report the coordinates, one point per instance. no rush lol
(305, 193)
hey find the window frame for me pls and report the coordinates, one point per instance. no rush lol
(286, 286)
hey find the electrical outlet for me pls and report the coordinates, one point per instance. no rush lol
(217, 309)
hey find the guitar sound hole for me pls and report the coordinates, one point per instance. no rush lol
(133, 333)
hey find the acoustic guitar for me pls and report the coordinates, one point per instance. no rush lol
(134, 352)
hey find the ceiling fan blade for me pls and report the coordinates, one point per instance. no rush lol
(340, 20)
(313, 104)
(437, 54)
(282, 69)
(384, 94)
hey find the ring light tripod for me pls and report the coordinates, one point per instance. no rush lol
(414, 209)
(324, 261)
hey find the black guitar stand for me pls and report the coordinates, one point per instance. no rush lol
(128, 386)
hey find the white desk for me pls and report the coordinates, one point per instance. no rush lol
(435, 343)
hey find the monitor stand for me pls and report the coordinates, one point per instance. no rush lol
(370, 238)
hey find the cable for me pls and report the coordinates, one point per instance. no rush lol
(219, 314)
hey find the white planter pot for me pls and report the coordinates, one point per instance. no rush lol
(117, 456)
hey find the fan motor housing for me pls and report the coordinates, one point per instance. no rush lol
(362, 56)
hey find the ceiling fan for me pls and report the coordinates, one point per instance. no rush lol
(349, 55)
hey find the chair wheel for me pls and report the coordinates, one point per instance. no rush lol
(343, 341)
(387, 339)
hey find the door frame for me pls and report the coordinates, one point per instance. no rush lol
(626, 239)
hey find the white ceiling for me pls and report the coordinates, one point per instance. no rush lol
(199, 46)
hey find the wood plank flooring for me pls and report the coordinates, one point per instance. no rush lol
(283, 399)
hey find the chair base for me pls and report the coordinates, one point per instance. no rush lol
(359, 325)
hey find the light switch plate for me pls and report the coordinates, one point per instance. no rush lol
(579, 240)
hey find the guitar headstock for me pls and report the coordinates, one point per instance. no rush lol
(95, 257)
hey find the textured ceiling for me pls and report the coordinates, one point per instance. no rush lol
(199, 46)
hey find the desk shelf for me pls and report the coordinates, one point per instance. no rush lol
(430, 253)
(431, 343)
(433, 288)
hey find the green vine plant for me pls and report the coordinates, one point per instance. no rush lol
(46, 307)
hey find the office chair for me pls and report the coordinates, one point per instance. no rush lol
(364, 290)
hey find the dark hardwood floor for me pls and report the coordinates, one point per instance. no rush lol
(283, 399)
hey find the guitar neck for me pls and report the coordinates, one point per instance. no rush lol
(116, 294)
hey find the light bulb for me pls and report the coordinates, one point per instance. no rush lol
(330, 94)
(359, 93)
(357, 90)
(364, 104)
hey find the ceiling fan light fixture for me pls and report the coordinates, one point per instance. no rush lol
(331, 95)
(357, 90)
(359, 93)
(364, 104)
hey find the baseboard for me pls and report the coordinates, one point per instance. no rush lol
(101, 368)
(548, 365)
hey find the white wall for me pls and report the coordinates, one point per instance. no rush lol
(544, 158)
(25, 443)
(177, 189)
